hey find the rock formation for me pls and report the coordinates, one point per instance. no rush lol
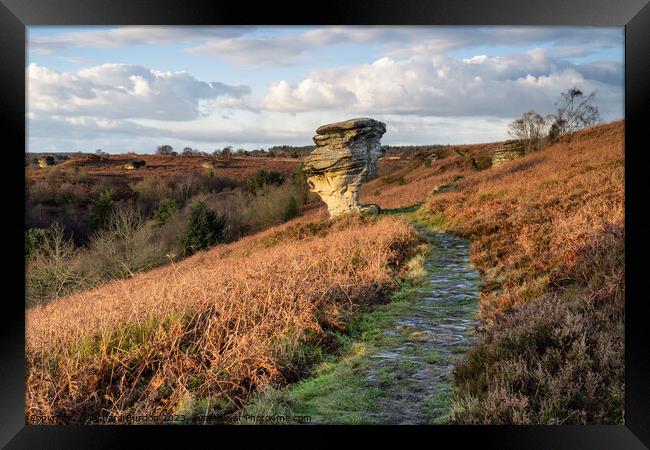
(510, 150)
(345, 157)
(46, 162)
(135, 165)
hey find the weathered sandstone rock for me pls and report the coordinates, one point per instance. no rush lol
(46, 162)
(510, 150)
(345, 157)
(134, 165)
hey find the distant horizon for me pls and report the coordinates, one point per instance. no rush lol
(267, 147)
(137, 87)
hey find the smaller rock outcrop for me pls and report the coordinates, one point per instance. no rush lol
(345, 157)
(134, 165)
(46, 162)
(510, 150)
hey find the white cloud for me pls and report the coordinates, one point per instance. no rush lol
(122, 91)
(244, 128)
(309, 94)
(412, 78)
(247, 45)
(112, 37)
(441, 86)
(400, 41)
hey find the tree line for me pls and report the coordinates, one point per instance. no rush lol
(228, 151)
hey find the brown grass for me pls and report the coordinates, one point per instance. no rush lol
(547, 234)
(220, 324)
(535, 219)
(112, 167)
(421, 180)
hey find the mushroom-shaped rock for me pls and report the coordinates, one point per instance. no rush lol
(345, 157)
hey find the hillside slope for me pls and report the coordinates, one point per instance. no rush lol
(213, 328)
(547, 234)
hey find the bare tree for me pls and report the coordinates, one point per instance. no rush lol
(574, 112)
(530, 129)
(226, 152)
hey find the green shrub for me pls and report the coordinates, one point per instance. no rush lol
(299, 180)
(164, 212)
(291, 210)
(554, 132)
(34, 239)
(102, 208)
(262, 178)
(205, 228)
(481, 163)
(399, 180)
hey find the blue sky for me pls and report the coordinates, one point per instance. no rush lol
(134, 88)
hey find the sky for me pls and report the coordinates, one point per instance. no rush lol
(131, 89)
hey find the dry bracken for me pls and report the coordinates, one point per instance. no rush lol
(220, 324)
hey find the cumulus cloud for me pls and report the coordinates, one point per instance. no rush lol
(307, 95)
(438, 85)
(428, 84)
(122, 91)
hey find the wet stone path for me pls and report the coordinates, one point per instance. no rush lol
(413, 366)
(398, 367)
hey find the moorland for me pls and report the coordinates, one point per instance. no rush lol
(201, 285)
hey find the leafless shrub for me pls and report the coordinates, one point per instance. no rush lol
(574, 112)
(49, 273)
(41, 192)
(124, 247)
(530, 129)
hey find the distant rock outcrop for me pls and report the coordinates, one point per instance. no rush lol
(135, 165)
(46, 162)
(345, 157)
(510, 150)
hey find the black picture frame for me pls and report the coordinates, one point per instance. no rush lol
(634, 15)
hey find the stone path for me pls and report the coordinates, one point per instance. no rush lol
(399, 368)
(427, 336)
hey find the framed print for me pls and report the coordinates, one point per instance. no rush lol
(356, 217)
